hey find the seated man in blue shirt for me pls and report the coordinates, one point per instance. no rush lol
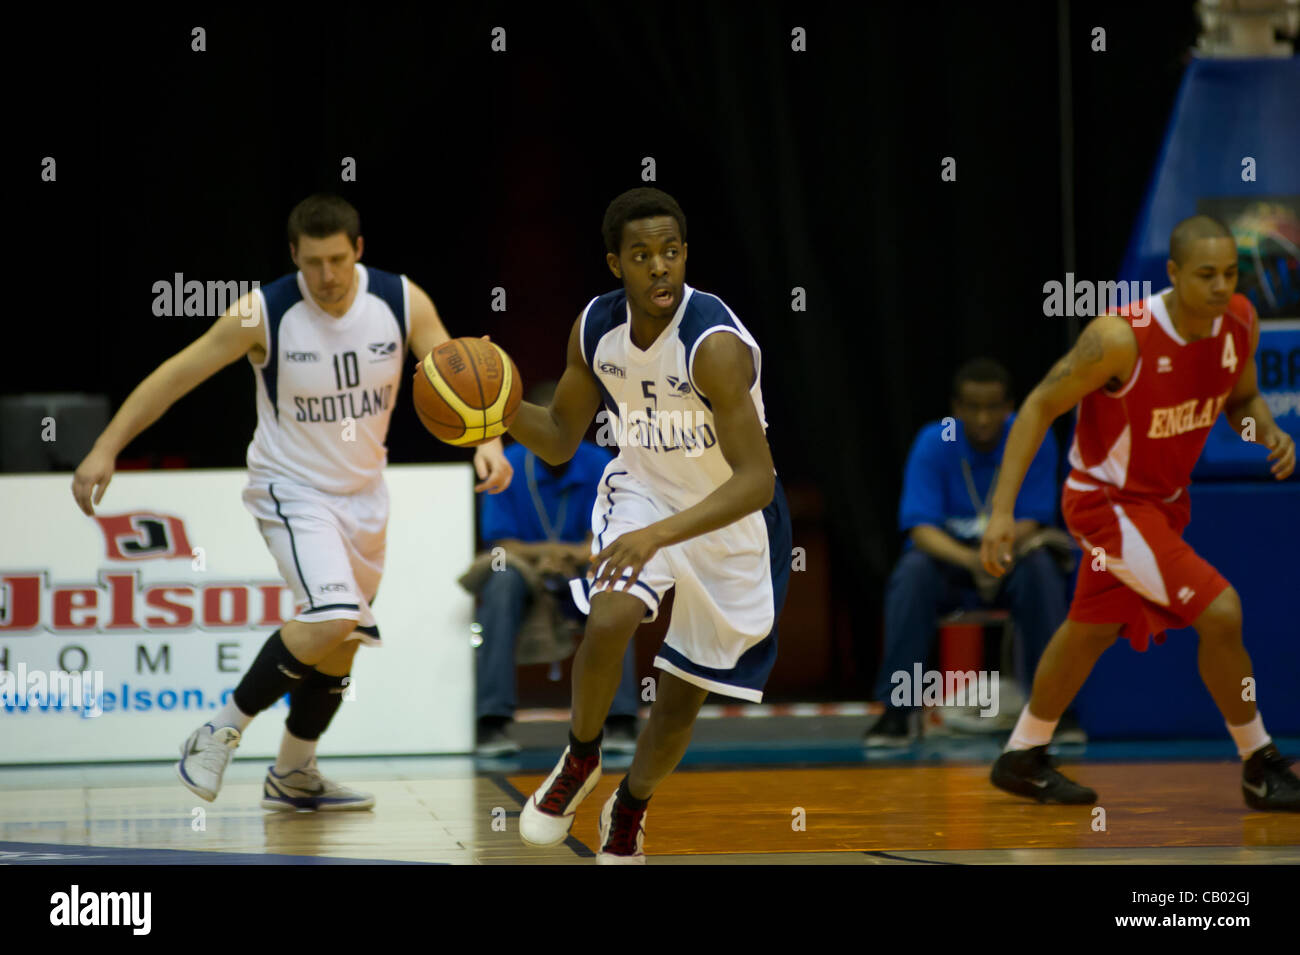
(947, 489)
(543, 518)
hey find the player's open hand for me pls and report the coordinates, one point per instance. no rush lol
(631, 551)
(998, 546)
(95, 470)
(1281, 452)
(492, 468)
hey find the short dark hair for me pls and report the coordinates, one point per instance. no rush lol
(321, 216)
(1193, 230)
(643, 203)
(981, 371)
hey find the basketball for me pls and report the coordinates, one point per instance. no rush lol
(467, 391)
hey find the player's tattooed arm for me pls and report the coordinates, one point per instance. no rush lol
(1084, 363)
(1245, 402)
(1105, 352)
(723, 372)
(554, 433)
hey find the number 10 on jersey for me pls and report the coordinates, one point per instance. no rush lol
(351, 373)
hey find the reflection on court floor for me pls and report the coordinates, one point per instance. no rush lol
(729, 803)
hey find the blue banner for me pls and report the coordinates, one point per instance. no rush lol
(1231, 150)
(1277, 369)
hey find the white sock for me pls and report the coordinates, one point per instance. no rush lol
(231, 715)
(1250, 737)
(295, 753)
(1030, 731)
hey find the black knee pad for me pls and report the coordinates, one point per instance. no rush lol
(313, 704)
(274, 673)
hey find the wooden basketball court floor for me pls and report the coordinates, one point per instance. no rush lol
(790, 801)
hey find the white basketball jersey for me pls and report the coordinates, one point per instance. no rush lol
(662, 425)
(326, 390)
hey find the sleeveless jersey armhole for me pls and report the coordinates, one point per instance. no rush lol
(1127, 385)
(582, 335)
(406, 314)
(1125, 388)
(753, 352)
(266, 331)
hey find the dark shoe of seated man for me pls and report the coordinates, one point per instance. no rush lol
(895, 729)
(492, 738)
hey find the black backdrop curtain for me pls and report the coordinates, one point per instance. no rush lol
(478, 169)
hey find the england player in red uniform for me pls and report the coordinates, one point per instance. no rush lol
(1149, 383)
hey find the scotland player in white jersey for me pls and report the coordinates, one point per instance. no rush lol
(691, 501)
(327, 346)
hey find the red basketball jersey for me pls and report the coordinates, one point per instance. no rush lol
(1145, 437)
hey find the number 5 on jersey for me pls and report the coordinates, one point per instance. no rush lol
(647, 389)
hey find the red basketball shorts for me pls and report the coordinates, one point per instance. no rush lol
(1145, 577)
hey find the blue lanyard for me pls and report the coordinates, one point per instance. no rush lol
(552, 532)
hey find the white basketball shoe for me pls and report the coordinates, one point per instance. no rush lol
(306, 788)
(622, 834)
(204, 757)
(547, 817)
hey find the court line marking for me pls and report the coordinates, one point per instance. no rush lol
(47, 853)
(579, 848)
(898, 858)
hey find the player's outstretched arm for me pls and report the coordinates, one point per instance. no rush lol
(1246, 402)
(427, 329)
(231, 337)
(427, 333)
(1106, 350)
(724, 372)
(554, 433)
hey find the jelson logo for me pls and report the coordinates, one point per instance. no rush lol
(382, 349)
(121, 601)
(124, 603)
(681, 387)
(144, 535)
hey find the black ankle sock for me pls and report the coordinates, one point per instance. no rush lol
(313, 703)
(627, 799)
(274, 673)
(585, 750)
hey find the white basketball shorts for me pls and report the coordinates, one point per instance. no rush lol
(730, 585)
(329, 548)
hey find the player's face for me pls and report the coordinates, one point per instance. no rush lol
(982, 408)
(652, 265)
(1207, 278)
(327, 266)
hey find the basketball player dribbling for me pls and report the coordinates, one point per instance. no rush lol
(1149, 383)
(692, 501)
(326, 344)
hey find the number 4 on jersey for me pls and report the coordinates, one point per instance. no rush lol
(1229, 354)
